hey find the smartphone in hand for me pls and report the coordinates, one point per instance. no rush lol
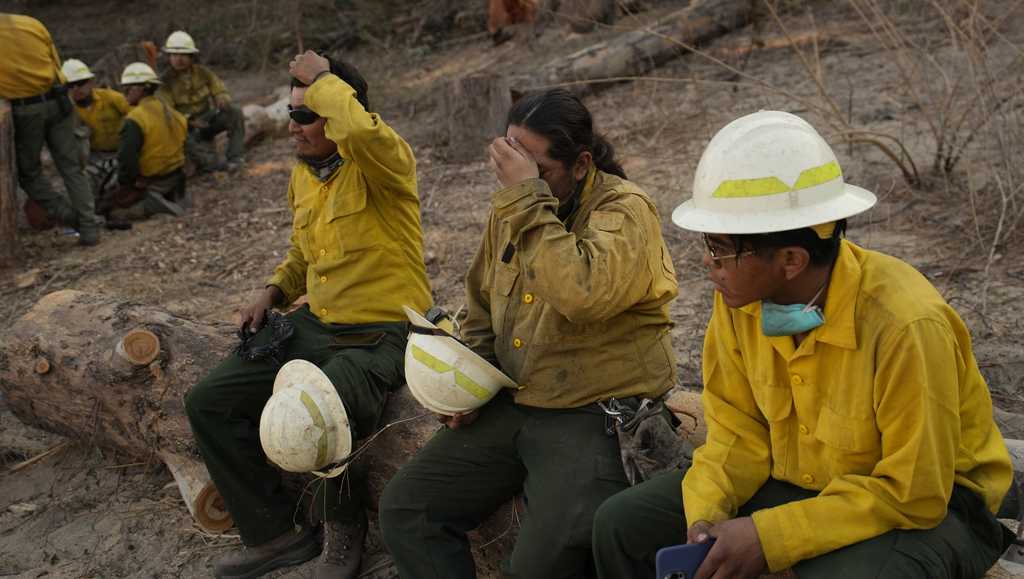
(681, 561)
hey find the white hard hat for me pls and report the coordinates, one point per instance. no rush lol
(180, 42)
(139, 73)
(766, 172)
(443, 374)
(304, 426)
(75, 70)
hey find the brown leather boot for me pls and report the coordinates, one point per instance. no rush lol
(290, 548)
(343, 550)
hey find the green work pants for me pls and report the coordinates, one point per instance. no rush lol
(364, 362)
(563, 462)
(631, 526)
(46, 123)
(214, 122)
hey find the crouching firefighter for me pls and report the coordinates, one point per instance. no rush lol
(151, 155)
(356, 253)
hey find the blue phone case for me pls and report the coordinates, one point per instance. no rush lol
(681, 561)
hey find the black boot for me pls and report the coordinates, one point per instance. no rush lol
(343, 550)
(291, 548)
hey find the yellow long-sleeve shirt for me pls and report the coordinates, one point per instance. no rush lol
(30, 65)
(356, 247)
(580, 313)
(104, 116)
(882, 409)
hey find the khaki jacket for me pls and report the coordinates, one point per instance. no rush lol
(579, 314)
(192, 92)
(356, 248)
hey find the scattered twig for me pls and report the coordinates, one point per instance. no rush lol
(49, 452)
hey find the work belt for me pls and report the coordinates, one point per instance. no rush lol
(55, 93)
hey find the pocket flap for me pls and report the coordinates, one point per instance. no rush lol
(606, 220)
(360, 340)
(775, 403)
(505, 278)
(302, 217)
(347, 201)
(846, 432)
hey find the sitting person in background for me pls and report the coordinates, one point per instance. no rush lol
(199, 94)
(850, 432)
(102, 111)
(151, 155)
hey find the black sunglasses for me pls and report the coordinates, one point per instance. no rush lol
(302, 115)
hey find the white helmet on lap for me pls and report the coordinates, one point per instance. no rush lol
(765, 172)
(304, 426)
(443, 374)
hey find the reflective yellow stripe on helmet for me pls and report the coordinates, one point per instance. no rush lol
(318, 420)
(764, 186)
(442, 367)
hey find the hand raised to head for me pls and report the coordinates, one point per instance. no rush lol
(307, 66)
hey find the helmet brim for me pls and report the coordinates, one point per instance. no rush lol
(852, 201)
(298, 372)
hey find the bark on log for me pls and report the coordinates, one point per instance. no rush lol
(8, 188)
(585, 15)
(634, 53)
(476, 108)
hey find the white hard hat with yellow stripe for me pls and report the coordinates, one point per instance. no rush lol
(180, 42)
(765, 172)
(444, 375)
(139, 73)
(304, 426)
(75, 70)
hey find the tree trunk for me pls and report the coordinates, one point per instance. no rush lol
(8, 188)
(476, 108)
(634, 53)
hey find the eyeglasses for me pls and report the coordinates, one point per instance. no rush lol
(717, 260)
(302, 115)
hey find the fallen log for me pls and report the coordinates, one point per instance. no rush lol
(114, 373)
(636, 52)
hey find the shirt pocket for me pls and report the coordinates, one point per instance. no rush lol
(505, 277)
(852, 444)
(300, 224)
(775, 402)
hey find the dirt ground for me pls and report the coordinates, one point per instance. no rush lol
(85, 512)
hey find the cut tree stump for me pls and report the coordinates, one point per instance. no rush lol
(476, 107)
(8, 189)
(636, 52)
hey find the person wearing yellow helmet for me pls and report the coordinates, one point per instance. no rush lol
(850, 432)
(32, 81)
(151, 153)
(199, 94)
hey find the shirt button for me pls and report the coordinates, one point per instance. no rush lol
(323, 279)
(527, 298)
(323, 311)
(804, 429)
(796, 380)
(807, 479)
(323, 252)
(517, 343)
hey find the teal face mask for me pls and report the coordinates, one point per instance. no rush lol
(778, 320)
(792, 319)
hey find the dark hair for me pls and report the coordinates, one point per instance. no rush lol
(562, 118)
(822, 251)
(347, 73)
